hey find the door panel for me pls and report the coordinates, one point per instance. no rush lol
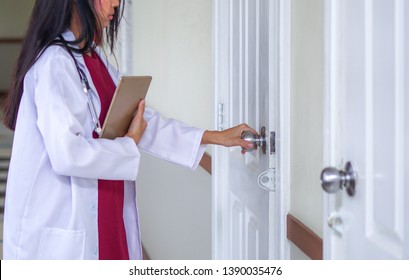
(242, 215)
(369, 74)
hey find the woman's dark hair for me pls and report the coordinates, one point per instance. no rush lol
(48, 20)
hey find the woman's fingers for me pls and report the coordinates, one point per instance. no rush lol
(246, 127)
(141, 109)
(139, 124)
(232, 136)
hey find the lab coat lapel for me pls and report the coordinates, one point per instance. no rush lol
(69, 36)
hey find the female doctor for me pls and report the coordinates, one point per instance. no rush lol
(70, 194)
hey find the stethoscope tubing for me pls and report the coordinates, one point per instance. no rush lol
(86, 89)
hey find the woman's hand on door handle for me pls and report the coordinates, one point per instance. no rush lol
(229, 138)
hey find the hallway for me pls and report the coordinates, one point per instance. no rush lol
(6, 138)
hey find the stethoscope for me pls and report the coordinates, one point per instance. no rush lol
(86, 88)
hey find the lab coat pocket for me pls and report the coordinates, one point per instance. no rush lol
(61, 244)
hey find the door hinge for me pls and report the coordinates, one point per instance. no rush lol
(220, 116)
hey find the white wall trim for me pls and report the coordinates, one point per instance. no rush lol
(284, 128)
(220, 70)
(125, 42)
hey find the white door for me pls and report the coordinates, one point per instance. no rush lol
(244, 53)
(367, 124)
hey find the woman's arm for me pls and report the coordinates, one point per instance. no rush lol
(229, 137)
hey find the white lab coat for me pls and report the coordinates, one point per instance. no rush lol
(52, 190)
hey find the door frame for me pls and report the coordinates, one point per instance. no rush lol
(332, 114)
(329, 53)
(125, 40)
(281, 75)
(284, 128)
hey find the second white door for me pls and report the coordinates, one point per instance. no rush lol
(368, 125)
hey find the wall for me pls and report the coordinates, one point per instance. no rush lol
(307, 83)
(172, 43)
(14, 17)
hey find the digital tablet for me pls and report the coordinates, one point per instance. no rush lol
(129, 92)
